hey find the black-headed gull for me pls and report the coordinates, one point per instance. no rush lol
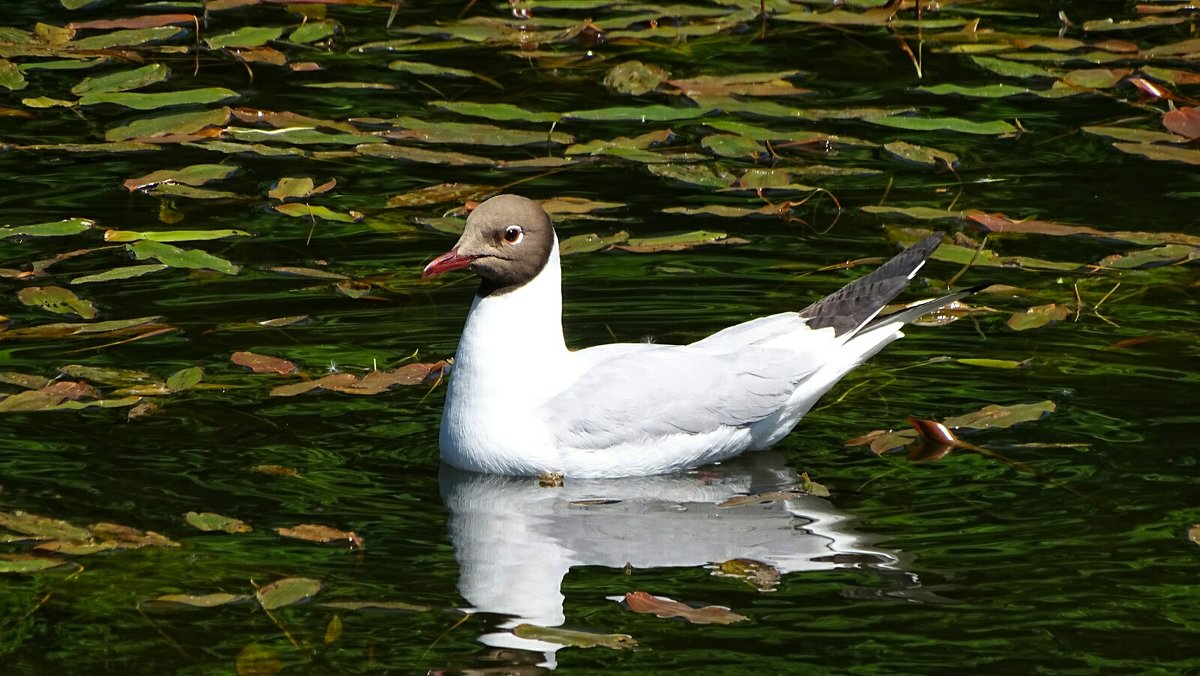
(521, 403)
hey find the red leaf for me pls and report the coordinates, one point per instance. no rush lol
(642, 602)
(1183, 121)
(261, 363)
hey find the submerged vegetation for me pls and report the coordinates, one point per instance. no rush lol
(222, 374)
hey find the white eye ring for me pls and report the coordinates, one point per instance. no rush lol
(513, 234)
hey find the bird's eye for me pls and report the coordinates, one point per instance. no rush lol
(513, 234)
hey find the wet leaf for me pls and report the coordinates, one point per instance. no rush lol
(1160, 152)
(302, 210)
(728, 145)
(127, 38)
(634, 78)
(286, 592)
(126, 272)
(249, 36)
(187, 191)
(299, 136)
(424, 156)
(1038, 316)
(660, 606)
(202, 600)
(590, 242)
(440, 194)
(77, 548)
(171, 235)
(307, 272)
(994, 127)
(105, 375)
(576, 638)
(211, 521)
(181, 258)
(276, 470)
(1183, 121)
(994, 91)
(678, 242)
(995, 416)
(1147, 258)
(42, 527)
(311, 532)
(430, 70)
(298, 188)
(22, 563)
(169, 125)
(421, 131)
(314, 31)
(11, 77)
(393, 606)
(148, 21)
(57, 300)
(699, 175)
(812, 487)
(185, 379)
(921, 155)
(499, 112)
(48, 398)
(760, 575)
(575, 205)
(259, 363)
(46, 102)
(27, 381)
(1012, 68)
(70, 226)
(140, 101)
(994, 363)
(195, 175)
(131, 537)
(374, 382)
(651, 113)
(122, 81)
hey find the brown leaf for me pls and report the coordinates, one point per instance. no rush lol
(259, 363)
(47, 397)
(150, 21)
(762, 576)
(312, 532)
(1183, 121)
(131, 537)
(642, 602)
(276, 470)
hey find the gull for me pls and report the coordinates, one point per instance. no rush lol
(521, 403)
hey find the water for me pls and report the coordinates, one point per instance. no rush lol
(1067, 555)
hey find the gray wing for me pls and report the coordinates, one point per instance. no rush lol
(664, 390)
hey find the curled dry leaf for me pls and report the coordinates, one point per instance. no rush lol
(660, 606)
(312, 532)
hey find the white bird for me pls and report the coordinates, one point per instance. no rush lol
(521, 403)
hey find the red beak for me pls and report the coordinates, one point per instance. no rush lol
(451, 260)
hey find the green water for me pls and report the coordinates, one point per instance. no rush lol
(1066, 554)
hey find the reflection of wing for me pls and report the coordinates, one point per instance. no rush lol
(731, 379)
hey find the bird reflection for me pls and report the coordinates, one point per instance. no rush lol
(515, 540)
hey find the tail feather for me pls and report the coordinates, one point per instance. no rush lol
(851, 308)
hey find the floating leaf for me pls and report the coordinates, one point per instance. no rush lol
(314, 31)
(307, 272)
(300, 136)
(249, 36)
(424, 156)
(259, 363)
(20, 563)
(760, 575)
(57, 300)
(374, 382)
(573, 637)
(181, 258)
(590, 242)
(185, 379)
(11, 77)
(173, 124)
(298, 188)
(123, 80)
(126, 38)
(131, 537)
(311, 532)
(413, 129)
(286, 592)
(1183, 121)
(728, 145)
(148, 21)
(110, 376)
(994, 363)
(700, 175)
(171, 235)
(678, 242)
(441, 193)
(70, 226)
(187, 191)
(139, 101)
(652, 113)
(499, 112)
(195, 175)
(994, 127)
(126, 272)
(997, 416)
(634, 78)
(921, 155)
(1160, 152)
(77, 548)
(210, 521)
(1146, 258)
(201, 600)
(660, 606)
(301, 210)
(42, 527)
(1038, 316)
(48, 398)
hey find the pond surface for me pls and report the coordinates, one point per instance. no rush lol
(779, 155)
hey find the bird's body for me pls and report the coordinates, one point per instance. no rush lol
(521, 403)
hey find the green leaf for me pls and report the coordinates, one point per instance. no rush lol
(23, 563)
(728, 145)
(179, 190)
(931, 157)
(1147, 258)
(301, 136)
(201, 601)
(413, 129)
(122, 81)
(679, 242)
(286, 592)
(195, 175)
(126, 38)
(57, 300)
(127, 272)
(210, 521)
(994, 363)
(994, 127)
(652, 113)
(313, 31)
(139, 101)
(698, 175)
(424, 156)
(42, 527)
(171, 235)
(181, 258)
(1038, 316)
(110, 376)
(11, 77)
(301, 210)
(996, 416)
(175, 123)
(185, 379)
(574, 637)
(635, 78)
(70, 226)
(995, 91)
(1013, 68)
(499, 112)
(245, 37)
(46, 102)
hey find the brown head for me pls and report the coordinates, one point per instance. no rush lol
(507, 241)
